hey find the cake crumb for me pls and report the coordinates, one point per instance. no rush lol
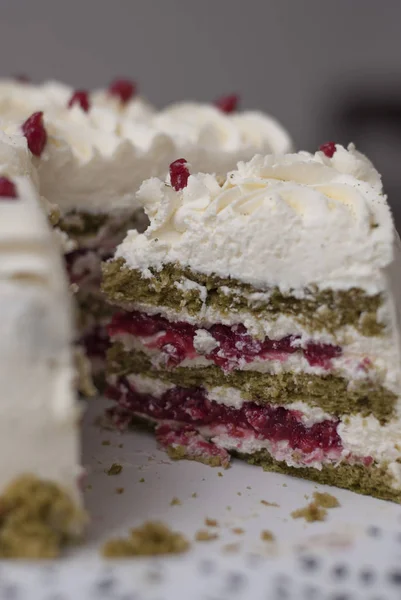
(121, 445)
(115, 469)
(175, 502)
(220, 474)
(194, 495)
(38, 519)
(267, 536)
(89, 486)
(205, 536)
(106, 443)
(311, 513)
(266, 503)
(285, 485)
(142, 480)
(238, 530)
(231, 548)
(248, 487)
(306, 497)
(211, 522)
(325, 500)
(228, 507)
(151, 539)
(120, 490)
(239, 494)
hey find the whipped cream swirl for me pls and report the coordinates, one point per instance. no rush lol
(289, 221)
(213, 141)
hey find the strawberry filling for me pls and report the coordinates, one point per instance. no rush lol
(233, 343)
(192, 406)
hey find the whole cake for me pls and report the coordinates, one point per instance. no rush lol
(39, 495)
(258, 316)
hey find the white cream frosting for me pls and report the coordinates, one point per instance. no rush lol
(38, 428)
(137, 109)
(92, 161)
(351, 162)
(287, 221)
(213, 141)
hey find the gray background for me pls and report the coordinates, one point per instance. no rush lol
(327, 69)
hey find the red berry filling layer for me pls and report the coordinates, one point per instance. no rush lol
(233, 343)
(192, 406)
(96, 342)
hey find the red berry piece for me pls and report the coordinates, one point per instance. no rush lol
(228, 104)
(124, 89)
(328, 149)
(7, 188)
(179, 174)
(35, 133)
(81, 98)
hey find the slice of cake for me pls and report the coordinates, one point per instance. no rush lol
(39, 496)
(259, 317)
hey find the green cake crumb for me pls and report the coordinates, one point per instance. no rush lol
(325, 500)
(220, 474)
(194, 495)
(205, 536)
(310, 513)
(180, 452)
(142, 480)
(151, 539)
(267, 536)
(115, 469)
(106, 443)
(231, 548)
(175, 502)
(37, 519)
(266, 503)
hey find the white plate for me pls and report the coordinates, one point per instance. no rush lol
(355, 553)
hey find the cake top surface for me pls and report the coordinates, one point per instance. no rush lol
(289, 221)
(101, 145)
(92, 159)
(208, 127)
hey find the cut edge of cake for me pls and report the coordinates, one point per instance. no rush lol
(261, 312)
